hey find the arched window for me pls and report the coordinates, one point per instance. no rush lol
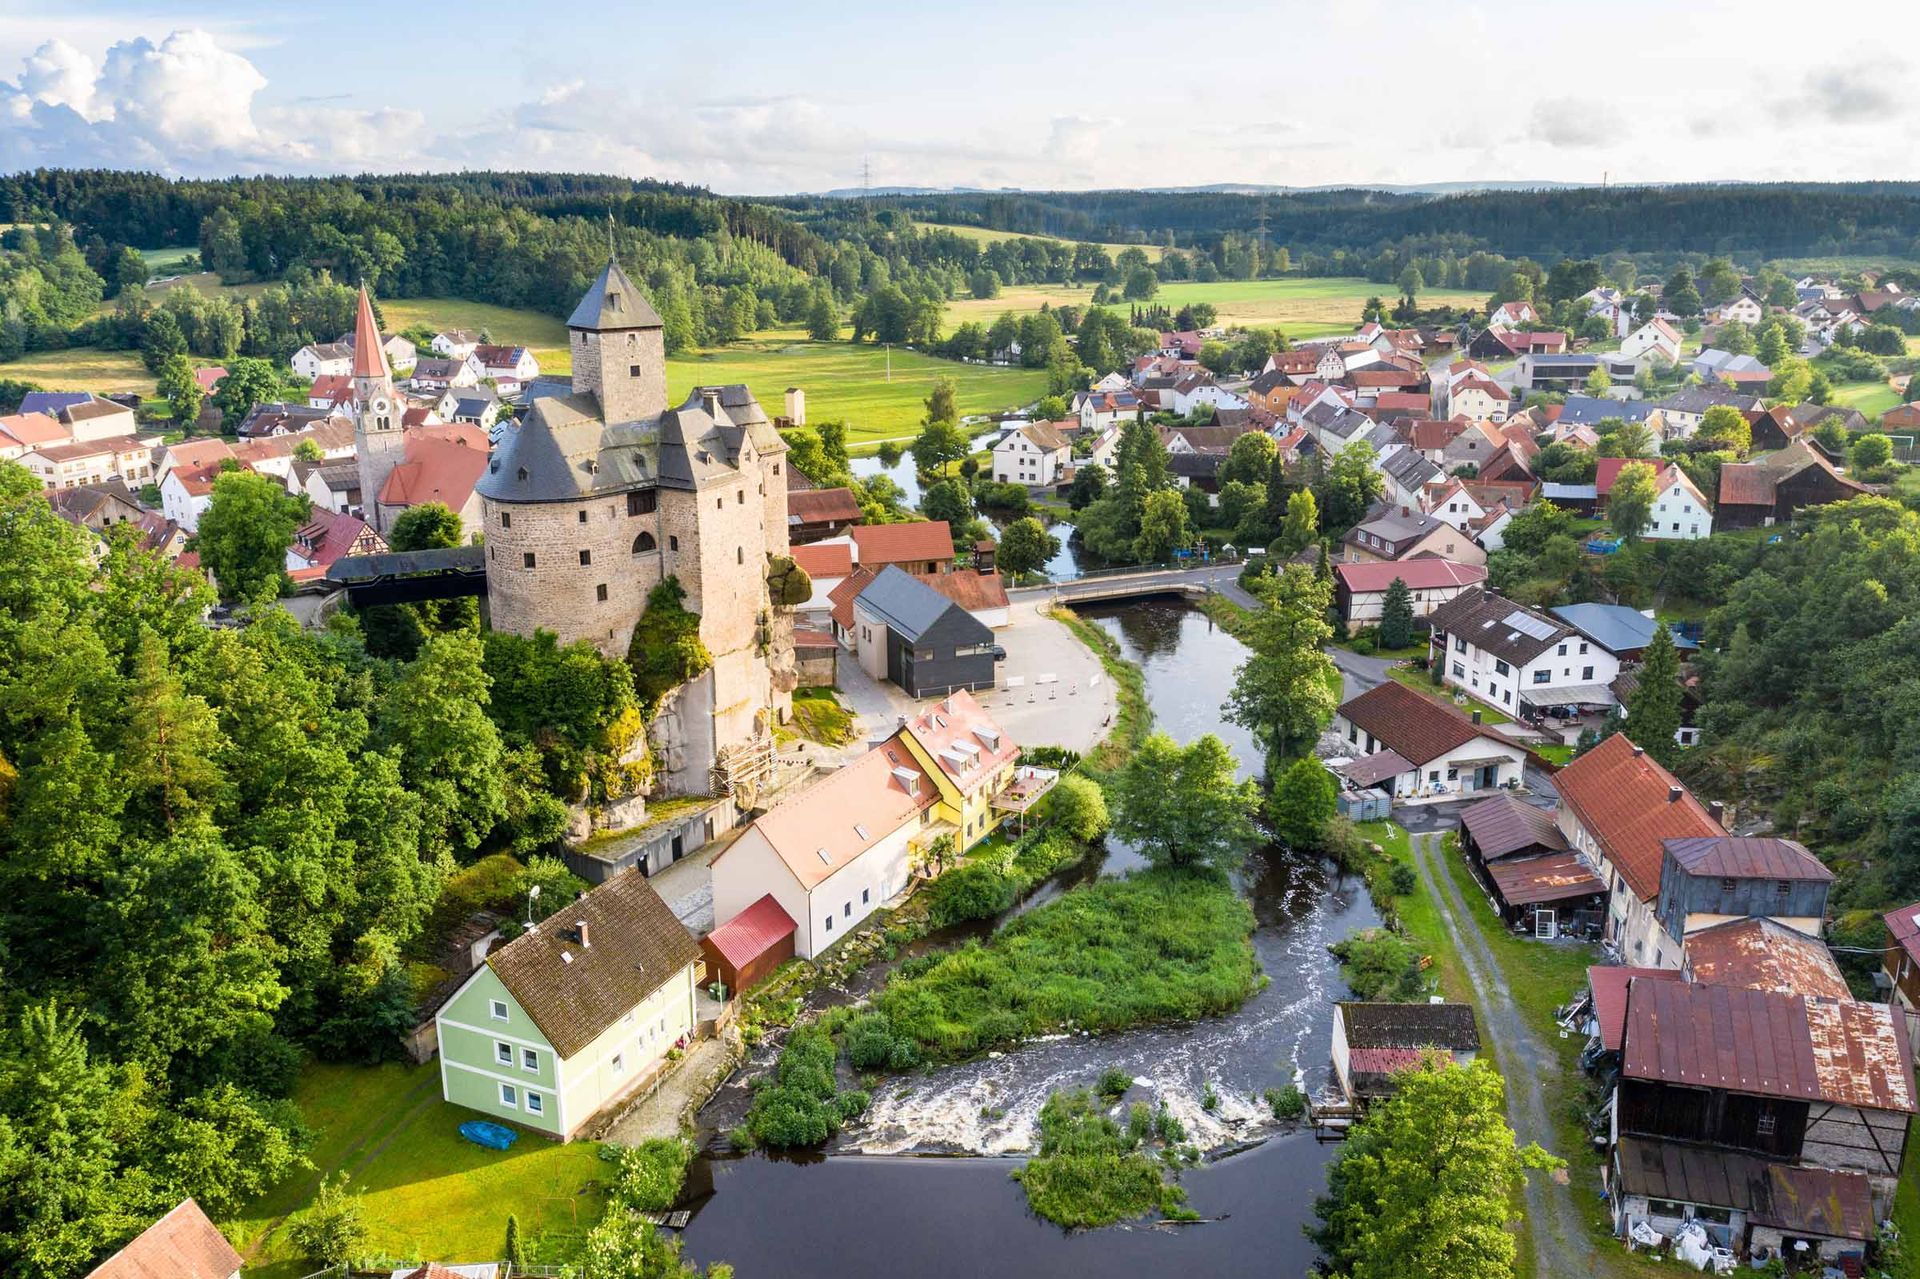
(643, 543)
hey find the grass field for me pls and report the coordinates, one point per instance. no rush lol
(171, 261)
(428, 1193)
(82, 368)
(981, 235)
(1299, 307)
(850, 383)
(1871, 398)
(546, 335)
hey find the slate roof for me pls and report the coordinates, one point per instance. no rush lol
(574, 992)
(1497, 625)
(181, 1245)
(1409, 469)
(1503, 825)
(1614, 627)
(612, 302)
(1698, 399)
(1798, 1200)
(1589, 410)
(1766, 1044)
(907, 605)
(1622, 796)
(1748, 858)
(1416, 727)
(52, 403)
(1383, 1025)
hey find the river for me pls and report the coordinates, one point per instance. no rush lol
(854, 1212)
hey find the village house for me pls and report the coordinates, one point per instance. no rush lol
(1619, 630)
(923, 546)
(1452, 502)
(1680, 512)
(454, 344)
(1478, 398)
(330, 486)
(333, 393)
(574, 1014)
(1414, 747)
(1035, 455)
(1771, 489)
(402, 354)
(1399, 533)
(1099, 410)
(1745, 309)
(1617, 808)
(1512, 315)
(271, 418)
(184, 1244)
(1472, 447)
(70, 465)
(22, 431)
(97, 507)
(322, 359)
(441, 464)
(1537, 882)
(1714, 367)
(508, 367)
(1407, 474)
(813, 515)
(913, 636)
(1681, 411)
(1517, 659)
(1656, 339)
(445, 374)
(1372, 1042)
(1360, 589)
(1901, 964)
(1707, 880)
(326, 537)
(826, 566)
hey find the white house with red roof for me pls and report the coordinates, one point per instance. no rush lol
(1360, 588)
(509, 367)
(1452, 504)
(1654, 338)
(325, 538)
(1680, 512)
(1512, 315)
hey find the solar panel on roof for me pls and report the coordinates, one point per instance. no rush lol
(1527, 624)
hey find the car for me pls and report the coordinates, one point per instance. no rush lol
(999, 654)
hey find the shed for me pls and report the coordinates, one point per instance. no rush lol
(1374, 1041)
(745, 950)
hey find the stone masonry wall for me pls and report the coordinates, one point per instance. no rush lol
(559, 593)
(625, 368)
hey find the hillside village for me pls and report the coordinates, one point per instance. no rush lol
(728, 795)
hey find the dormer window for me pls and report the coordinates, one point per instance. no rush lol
(522, 475)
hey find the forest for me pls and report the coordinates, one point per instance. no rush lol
(225, 848)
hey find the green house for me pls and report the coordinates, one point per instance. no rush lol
(573, 1015)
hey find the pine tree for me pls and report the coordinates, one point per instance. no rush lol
(516, 1251)
(1653, 709)
(1396, 615)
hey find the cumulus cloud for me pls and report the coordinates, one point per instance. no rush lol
(1570, 122)
(1840, 96)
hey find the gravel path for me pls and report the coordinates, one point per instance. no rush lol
(1559, 1238)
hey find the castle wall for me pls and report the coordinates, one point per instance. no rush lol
(625, 368)
(558, 592)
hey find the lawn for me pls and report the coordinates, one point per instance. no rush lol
(983, 236)
(851, 383)
(428, 1194)
(1417, 680)
(1871, 398)
(82, 368)
(1298, 306)
(171, 261)
(819, 717)
(545, 334)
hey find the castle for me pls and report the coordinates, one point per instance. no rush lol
(601, 493)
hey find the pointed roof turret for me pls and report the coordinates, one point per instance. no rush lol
(612, 302)
(369, 355)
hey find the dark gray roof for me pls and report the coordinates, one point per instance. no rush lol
(1373, 1025)
(1590, 410)
(1410, 469)
(435, 559)
(1614, 627)
(1752, 858)
(1497, 625)
(1698, 399)
(1396, 524)
(574, 992)
(612, 302)
(906, 604)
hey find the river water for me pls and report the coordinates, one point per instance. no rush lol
(854, 1213)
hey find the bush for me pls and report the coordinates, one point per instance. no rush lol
(1378, 964)
(1401, 880)
(1079, 807)
(1092, 1172)
(648, 1177)
(801, 1105)
(872, 1045)
(332, 1229)
(1364, 646)
(1288, 1102)
(1114, 1082)
(974, 891)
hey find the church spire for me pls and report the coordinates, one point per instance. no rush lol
(369, 356)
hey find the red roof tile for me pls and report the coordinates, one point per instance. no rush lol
(369, 356)
(972, 591)
(882, 544)
(181, 1245)
(436, 470)
(1417, 727)
(1419, 573)
(1623, 798)
(824, 559)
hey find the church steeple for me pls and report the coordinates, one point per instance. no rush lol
(377, 438)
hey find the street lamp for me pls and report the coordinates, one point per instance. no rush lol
(533, 895)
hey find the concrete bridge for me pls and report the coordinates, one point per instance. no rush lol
(1141, 583)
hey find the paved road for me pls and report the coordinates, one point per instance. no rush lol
(1559, 1238)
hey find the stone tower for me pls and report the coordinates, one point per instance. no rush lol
(619, 349)
(378, 442)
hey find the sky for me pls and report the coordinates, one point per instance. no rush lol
(765, 98)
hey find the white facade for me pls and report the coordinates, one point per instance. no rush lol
(1631, 922)
(1478, 764)
(1679, 514)
(310, 364)
(179, 505)
(1208, 393)
(453, 346)
(1573, 662)
(1457, 507)
(1021, 459)
(831, 908)
(1648, 340)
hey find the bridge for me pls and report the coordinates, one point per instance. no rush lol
(1139, 583)
(408, 577)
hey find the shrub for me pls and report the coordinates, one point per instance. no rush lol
(1380, 965)
(1114, 1082)
(648, 1177)
(872, 1045)
(1079, 808)
(332, 1229)
(1364, 646)
(1092, 1172)
(1401, 880)
(975, 891)
(1288, 1102)
(799, 1105)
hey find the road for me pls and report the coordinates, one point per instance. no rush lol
(1559, 1237)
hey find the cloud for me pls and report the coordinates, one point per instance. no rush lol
(1839, 96)
(1570, 122)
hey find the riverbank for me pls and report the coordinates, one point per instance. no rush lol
(1132, 718)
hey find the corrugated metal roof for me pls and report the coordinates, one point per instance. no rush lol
(1766, 1044)
(1762, 954)
(1747, 858)
(1380, 1025)
(1524, 881)
(1809, 1201)
(1609, 986)
(752, 932)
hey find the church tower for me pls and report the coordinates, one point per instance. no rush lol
(378, 442)
(619, 349)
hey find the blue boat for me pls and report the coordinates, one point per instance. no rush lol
(492, 1136)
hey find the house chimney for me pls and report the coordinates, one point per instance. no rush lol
(1404, 512)
(1718, 811)
(710, 400)
(1476, 716)
(1674, 793)
(580, 926)
(1639, 751)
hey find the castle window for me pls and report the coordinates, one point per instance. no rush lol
(739, 555)
(526, 559)
(633, 370)
(644, 543)
(742, 498)
(586, 558)
(776, 468)
(523, 474)
(583, 517)
(719, 503)
(506, 519)
(600, 592)
(643, 502)
(673, 543)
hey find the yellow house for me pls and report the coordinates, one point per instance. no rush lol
(971, 762)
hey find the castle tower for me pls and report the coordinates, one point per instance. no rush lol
(619, 349)
(378, 442)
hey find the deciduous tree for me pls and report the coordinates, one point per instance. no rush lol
(1026, 546)
(1283, 692)
(1184, 805)
(245, 532)
(1630, 505)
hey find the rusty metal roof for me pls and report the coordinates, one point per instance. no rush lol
(1904, 925)
(1609, 987)
(1749, 858)
(1523, 881)
(1767, 1044)
(1762, 954)
(1810, 1201)
(1503, 825)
